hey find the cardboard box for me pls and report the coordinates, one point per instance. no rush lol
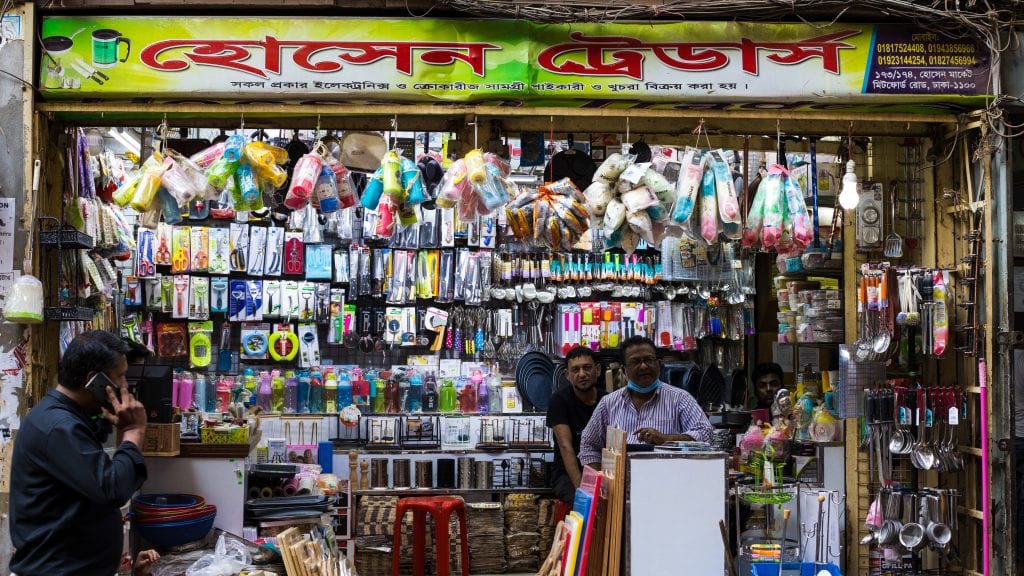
(160, 440)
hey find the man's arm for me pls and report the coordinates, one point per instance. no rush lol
(78, 461)
(593, 438)
(693, 420)
(563, 438)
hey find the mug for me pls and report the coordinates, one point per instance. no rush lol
(105, 44)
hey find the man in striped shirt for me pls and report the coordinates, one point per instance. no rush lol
(646, 409)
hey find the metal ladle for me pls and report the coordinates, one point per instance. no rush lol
(880, 345)
(922, 454)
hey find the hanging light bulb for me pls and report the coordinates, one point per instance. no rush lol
(849, 197)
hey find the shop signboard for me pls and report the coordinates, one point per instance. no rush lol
(253, 59)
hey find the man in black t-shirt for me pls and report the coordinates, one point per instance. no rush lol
(569, 410)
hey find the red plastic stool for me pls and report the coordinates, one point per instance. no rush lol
(440, 509)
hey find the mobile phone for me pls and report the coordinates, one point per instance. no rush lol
(97, 386)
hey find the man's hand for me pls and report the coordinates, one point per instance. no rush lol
(651, 436)
(129, 414)
(144, 563)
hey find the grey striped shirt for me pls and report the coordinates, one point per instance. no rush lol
(670, 411)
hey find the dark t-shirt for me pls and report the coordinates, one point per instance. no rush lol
(565, 408)
(575, 165)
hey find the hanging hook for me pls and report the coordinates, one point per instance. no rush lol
(627, 129)
(394, 131)
(241, 122)
(476, 132)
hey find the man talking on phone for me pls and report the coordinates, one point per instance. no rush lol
(66, 492)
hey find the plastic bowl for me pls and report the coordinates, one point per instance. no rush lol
(182, 516)
(158, 501)
(176, 533)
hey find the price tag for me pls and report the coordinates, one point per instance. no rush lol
(954, 416)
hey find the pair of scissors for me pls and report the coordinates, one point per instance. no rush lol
(145, 266)
(163, 253)
(200, 261)
(238, 255)
(293, 265)
(181, 261)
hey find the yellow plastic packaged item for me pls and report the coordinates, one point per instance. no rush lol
(224, 435)
(475, 167)
(126, 191)
(273, 174)
(146, 190)
(258, 154)
(391, 177)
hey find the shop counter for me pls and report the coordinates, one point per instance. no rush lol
(674, 503)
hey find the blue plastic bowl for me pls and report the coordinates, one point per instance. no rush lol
(169, 500)
(176, 533)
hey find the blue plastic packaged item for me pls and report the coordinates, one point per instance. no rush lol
(199, 392)
(169, 206)
(415, 401)
(373, 191)
(344, 389)
(302, 394)
(792, 569)
(233, 148)
(211, 394)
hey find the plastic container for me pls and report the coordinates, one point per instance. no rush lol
(792, 569)
(24, 304)
(177, 533)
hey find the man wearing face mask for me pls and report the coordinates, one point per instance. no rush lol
(66, 492)
(649, 411)
(569, 410)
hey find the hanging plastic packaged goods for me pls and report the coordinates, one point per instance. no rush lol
(145, 191)
(725, 188)
(772, 210)
(796, 215)
(326, 191)
(940, 313)
(220, 171)
(207, 156)
(307, 171)
(708, 208)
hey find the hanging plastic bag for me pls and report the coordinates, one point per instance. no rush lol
(207, 156)
(772, 222)
(146, 190)
(326, 191)
(612, 167)
(307, 171)
(687, 185)
(796, 212)
(708, 208)
(391, 176)
(453, 184)
(374, 190)
(218, 172)
(412, 182)
(346, 188)
(728, 205)
(752, 231)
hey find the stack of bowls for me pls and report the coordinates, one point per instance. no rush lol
(167, 520)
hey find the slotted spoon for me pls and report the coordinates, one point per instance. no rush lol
(893, 242)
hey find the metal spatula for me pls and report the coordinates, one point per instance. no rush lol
(893, 242)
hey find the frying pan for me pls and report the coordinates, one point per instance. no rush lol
(60, 45)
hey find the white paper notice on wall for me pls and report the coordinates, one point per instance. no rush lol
(6, 281)
(783, 355)
(7, 223)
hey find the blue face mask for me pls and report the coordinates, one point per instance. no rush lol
(654, 386)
